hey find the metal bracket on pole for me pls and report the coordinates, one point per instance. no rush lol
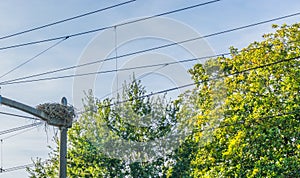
(38, 113)
(25, 108)
(62, 124)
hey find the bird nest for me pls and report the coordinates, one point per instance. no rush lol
(57, 111)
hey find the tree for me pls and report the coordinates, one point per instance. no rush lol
(256, 133)
(96, 141)
(244, 118)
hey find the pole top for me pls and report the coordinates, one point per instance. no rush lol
(64, 101)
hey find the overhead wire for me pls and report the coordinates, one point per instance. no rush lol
(138, 78)
(200, 82)
(17, 115)
(16, 168)
(20, 128)
(209, 79)
(110, 71)
(183, 61)
(23, 129)
(65, 20)
(20, 132)
(32, 58)
(151, 49)
(107, 27)
(14, 81)
(120, 88)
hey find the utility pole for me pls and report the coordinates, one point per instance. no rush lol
(63, 125)
(63, 147)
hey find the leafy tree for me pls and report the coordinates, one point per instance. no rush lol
(256, 133)
(243, 114)
(94, 147)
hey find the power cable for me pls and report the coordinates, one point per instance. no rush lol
(17, 168)
(110, 71)
(183, 61)
(20, 128)
(31, 59)
(19, 133)
(151, 49)
(107, 27)
(17, 115)
(195, 83)
(210, 79)
(139, 78)
(14, 81)
(64, 20)
(24, 129)
(120, 88)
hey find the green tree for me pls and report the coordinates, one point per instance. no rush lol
(256, 133)
(94, 140)
(244, 115)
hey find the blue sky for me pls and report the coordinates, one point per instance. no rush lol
(17, 15)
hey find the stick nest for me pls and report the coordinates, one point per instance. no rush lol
(57, 111)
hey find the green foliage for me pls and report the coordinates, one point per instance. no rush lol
(245, 120)
(155, 116)
(94, 140)
(257, 134)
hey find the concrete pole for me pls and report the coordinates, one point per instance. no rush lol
(63, 147)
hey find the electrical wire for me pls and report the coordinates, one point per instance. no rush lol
(111, 71)
(34, 57)
(195, 83)
(16, 168)
(20, 128)
(23, 129)
(210, 79)
(17, 115)
(152, 49)
(107, 27)
(120, 88)
(138, 78)
(15, 81)
(19, 133)
(64, 20)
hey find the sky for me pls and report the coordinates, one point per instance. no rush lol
(17, 15)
